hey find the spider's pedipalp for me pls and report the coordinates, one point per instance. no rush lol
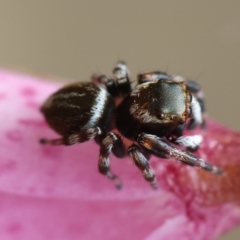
(190, 142)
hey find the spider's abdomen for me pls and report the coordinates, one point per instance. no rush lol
(154, 107)
(78, 107)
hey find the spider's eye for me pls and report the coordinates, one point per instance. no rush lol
(161, 116)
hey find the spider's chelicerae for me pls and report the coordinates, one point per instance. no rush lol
(152, 117)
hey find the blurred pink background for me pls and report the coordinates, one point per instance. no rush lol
(73, 39)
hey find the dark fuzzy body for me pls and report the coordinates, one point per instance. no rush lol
(69, 110)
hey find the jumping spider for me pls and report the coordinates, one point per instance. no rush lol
(152, 115)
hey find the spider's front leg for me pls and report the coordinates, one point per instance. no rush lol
(109, 142)
(160, 147)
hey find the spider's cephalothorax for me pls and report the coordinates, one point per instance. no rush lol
(156, 107)
(153, 116)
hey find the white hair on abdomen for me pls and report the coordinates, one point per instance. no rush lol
(97, 108)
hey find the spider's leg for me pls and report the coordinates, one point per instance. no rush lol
(121, 76)
(73, 138)
(152, 76)
(198, 96)
(196, 90)
(141, 162)
(192, 143)
(104, 160)
(198, 115)
(109, 83)
(198, 103)
(119, 149)
(160, 147)
(120, 84)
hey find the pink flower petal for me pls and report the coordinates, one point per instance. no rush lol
(57, 193)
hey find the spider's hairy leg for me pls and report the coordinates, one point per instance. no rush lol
(160, 147)
(141, 162)
(196, 114)
(192, 143)
(121, 76)
(106, 147)
(71, 139)
(198, 102)
(196, 90)
(152, 76)
(119, 149)
(109, 83)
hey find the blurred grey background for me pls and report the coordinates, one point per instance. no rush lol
(73, 39)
